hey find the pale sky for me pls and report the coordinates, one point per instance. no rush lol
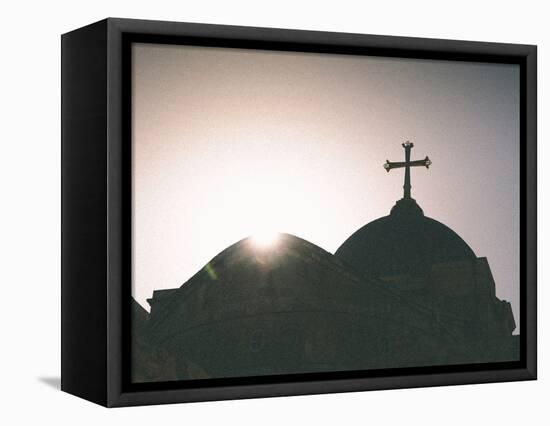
(231, 142)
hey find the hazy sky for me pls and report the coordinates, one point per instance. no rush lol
(231, 142)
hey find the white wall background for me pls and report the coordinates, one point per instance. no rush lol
(30, 211)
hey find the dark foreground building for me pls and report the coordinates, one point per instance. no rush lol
(404, 290)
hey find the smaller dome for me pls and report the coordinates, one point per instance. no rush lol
(405, 241)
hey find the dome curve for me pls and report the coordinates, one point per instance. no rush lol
(405, 241)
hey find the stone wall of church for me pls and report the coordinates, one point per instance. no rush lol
(298, 312)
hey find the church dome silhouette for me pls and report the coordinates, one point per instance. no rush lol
(291, 307)
(404, 242)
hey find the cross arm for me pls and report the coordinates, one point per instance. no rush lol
(388, 165)
(426, 162)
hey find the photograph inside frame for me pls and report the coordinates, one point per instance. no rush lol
(303, 212)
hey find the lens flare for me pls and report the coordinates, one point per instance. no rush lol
(265, 239)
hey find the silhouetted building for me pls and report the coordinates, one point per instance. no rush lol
(402, 291)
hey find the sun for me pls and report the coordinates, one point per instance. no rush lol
(265, 239)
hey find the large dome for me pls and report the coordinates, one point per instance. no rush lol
(405, 241)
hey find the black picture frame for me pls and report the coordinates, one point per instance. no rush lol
(96, 234)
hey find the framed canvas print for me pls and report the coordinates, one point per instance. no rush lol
(253, 212)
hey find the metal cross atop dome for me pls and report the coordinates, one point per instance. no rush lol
(426, 162)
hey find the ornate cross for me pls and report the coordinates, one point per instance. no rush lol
(407, 164)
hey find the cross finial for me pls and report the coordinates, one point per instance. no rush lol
(426, 162)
